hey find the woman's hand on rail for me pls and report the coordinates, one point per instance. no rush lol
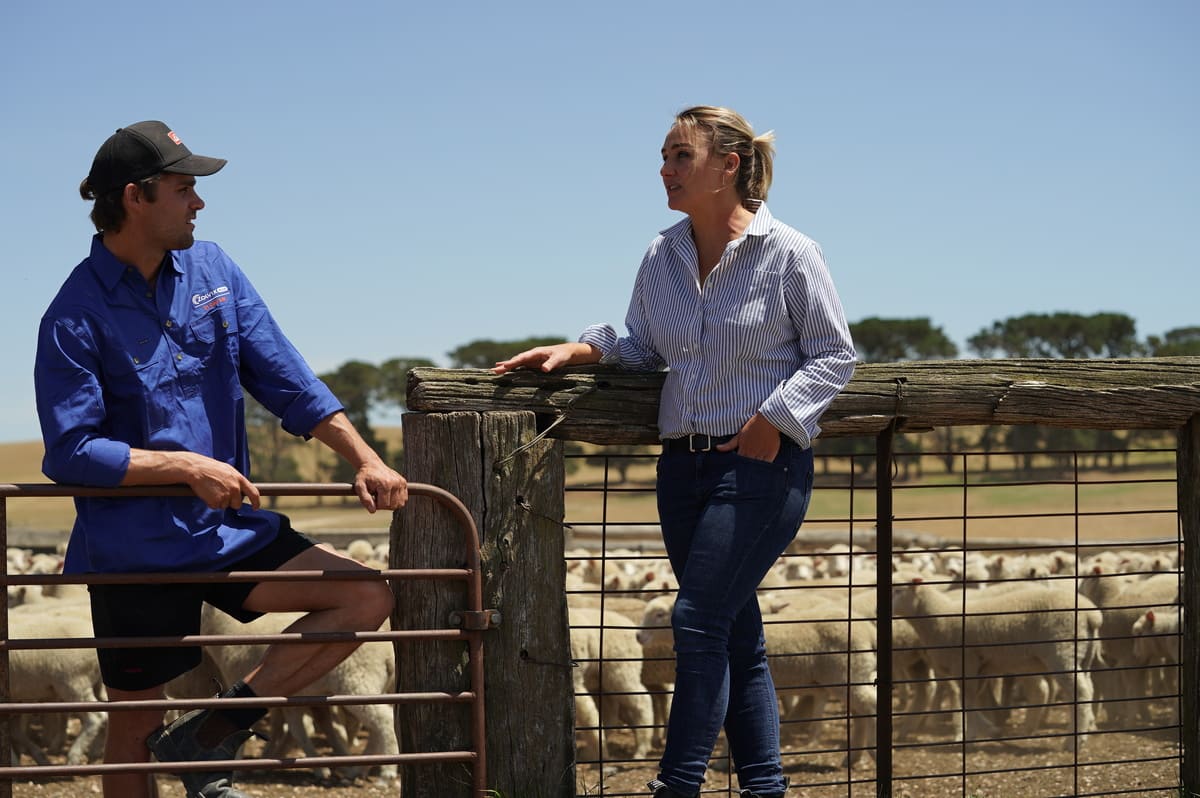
(549, 358)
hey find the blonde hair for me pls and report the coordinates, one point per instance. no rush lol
(727, 131)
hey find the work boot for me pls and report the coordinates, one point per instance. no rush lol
(178, 743)
(661, 790)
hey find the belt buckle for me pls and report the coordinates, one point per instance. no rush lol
(695, 436)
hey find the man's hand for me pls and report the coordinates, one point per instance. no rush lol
(380, 488)
(218, 484)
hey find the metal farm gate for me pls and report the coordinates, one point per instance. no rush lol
(465, 624)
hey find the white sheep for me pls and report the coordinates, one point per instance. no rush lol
(1123, 598)
(807, 652)
(1156, 647)
(1033, 631)
(612, 674)
(66, 675)
(819, 651)
(360, 550)
(658, 665)
(370, 670)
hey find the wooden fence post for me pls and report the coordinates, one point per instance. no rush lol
(1188, 473)
(516, 497)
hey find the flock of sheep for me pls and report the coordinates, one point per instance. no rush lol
(73, 675)
(978, 636)
(983, 639)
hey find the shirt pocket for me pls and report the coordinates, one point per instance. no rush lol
(133, 387)
(218, 325)
(213, 343)
(755, 309)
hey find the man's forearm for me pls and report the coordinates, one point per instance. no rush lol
(148, 467)
(339, 434)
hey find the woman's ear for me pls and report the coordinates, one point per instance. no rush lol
(732, 162)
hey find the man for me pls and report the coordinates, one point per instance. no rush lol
(142, 360)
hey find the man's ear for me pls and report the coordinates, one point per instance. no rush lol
(131, 195)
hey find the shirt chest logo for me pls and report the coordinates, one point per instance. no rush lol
(211, 298)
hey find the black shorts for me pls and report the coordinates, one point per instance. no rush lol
(161, 610)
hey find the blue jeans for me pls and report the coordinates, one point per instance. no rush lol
(725, 521)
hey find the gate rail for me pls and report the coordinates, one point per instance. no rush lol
(473, 623)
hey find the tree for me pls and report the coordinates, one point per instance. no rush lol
(1177, 342)
(271, 458)
(485, 353)
(355, 384)
(1060, 335)
(1063, 335)
(391, 390)
(889, 340)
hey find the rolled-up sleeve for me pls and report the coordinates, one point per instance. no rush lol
(823, 337)
(274, 372)
(70, 405)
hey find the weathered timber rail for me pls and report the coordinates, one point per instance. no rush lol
(610, 406)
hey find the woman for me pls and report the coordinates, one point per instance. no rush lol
(742, 311)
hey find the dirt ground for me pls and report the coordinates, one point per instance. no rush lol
(1132, 764)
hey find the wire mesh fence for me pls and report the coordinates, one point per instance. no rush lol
(1035, 646)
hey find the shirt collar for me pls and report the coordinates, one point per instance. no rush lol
(760, 225)
(110, 270)
(762, 222)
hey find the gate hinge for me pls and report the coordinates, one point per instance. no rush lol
(475, 621)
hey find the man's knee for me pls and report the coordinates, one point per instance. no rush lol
(373, 601)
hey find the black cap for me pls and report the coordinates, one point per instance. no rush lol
(142, 150)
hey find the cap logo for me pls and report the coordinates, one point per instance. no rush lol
(171, 135)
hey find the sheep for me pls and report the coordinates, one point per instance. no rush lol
(1123, 598)
(71, 674)
(807, 655)
(360, 550)
(1156, 646)
(917, 686)
(1156, 635)
(822, 651)
(658, 665)
(1037, 630)
(370, 670)
(613, 675)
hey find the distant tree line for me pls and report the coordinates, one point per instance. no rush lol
(1046, 335)
(367, 390)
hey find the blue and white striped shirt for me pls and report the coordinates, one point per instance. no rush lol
(766, 332)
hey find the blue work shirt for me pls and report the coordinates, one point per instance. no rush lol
(121, 365)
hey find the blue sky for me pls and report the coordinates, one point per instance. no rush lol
(404, 178)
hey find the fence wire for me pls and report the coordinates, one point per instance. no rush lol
(1035, 643)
